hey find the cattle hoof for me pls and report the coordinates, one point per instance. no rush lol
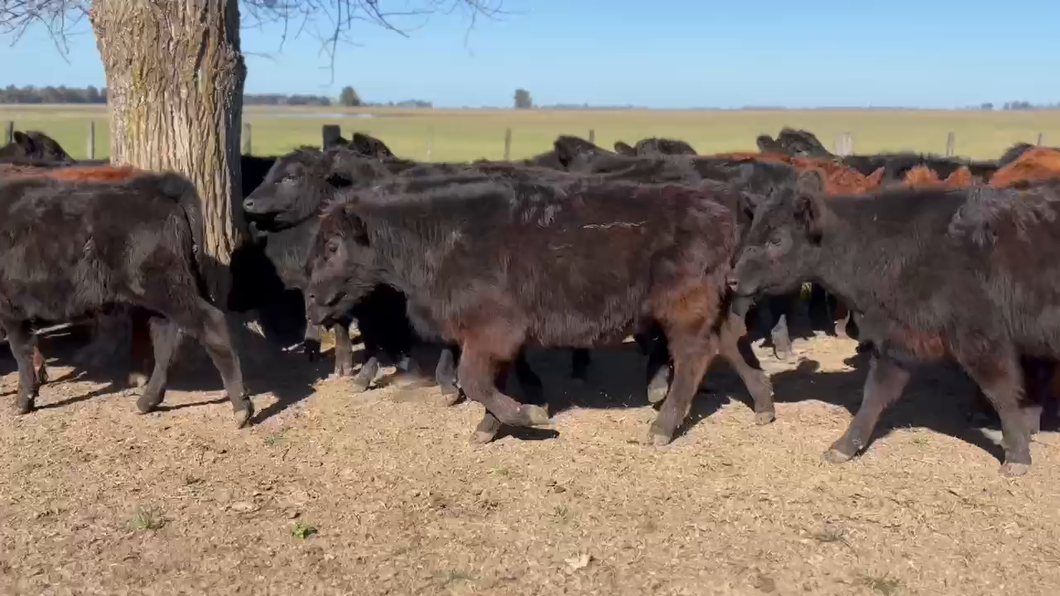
(658, 439)
(783, 355)
(136, 379)
(23, 409)
(482, 437)
(536, 416)
(146, 406)
(657, 393)
(450, 395)
(243, 416)
(762, 418)
(344, 369)
(42, 376)
(361, 384)
(1014, 470)
(835, 456)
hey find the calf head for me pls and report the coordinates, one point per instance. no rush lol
(35, 145)
(370, 146)
(784, 243)
(297, 185)
(573, 152)
(341, 267)
(660, 146)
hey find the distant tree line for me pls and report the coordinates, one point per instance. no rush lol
(31, 94)
(49, 94)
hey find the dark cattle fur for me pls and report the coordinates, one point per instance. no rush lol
(970, 274)
(794, 142)
(655, 146)
(370, 146)
(760, 177)
(896, 166)
(72, 248)
(34, 146)
(1013, 153)
(495, 264)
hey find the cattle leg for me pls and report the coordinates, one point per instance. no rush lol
(999, 376)
(842, 314)
(883, 387)
(445, 375)
(489, 426)
(343, 350)
(733, 347)
(22, 343)
(140, 352)
(39, 366)
(165, 339)
(311, 341)
(691, 357)
(364, 377)
(477, 372)
(660, 370)
(580, 360)
(780, 307)
(207, 324)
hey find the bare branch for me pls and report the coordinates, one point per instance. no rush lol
(58, 17)
(332, 22)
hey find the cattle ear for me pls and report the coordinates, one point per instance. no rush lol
(624, 149)
(356, 226)
(749, 204)
(811, 212)
(809, 181)
(370, 146)
(336, 180)
(22, 139)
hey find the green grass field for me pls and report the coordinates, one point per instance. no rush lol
(460, 135)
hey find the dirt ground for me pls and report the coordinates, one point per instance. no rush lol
(381, 492)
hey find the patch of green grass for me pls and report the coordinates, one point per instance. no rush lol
(302, 531)
(562, 513)
(147, 518)
(457, 576)
(830, 534)
(464, 135)
(275, 440)
(883, 584)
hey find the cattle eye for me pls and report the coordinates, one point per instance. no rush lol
(774, 241)
(332, 247)
(287, 180)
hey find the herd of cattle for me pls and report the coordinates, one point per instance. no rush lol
(574, 248)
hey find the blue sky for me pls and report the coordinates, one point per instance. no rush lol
(666, 54)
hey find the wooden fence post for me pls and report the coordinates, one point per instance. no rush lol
(92, 139)
(843, 144)
(9, 132)
(1041, 139)
(592, 136)
(331, 134)
(248, 142)
(507, 144)
(430, 141)
(951, 142)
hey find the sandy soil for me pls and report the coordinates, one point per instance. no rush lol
(381, 493)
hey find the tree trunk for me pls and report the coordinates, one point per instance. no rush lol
(175, 89)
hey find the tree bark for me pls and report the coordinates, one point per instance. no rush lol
(175, 77)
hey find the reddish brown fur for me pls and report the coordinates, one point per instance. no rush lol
(923, 176)
(838, 179)
(1036, 165)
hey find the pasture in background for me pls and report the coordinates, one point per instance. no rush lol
(464, 135)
